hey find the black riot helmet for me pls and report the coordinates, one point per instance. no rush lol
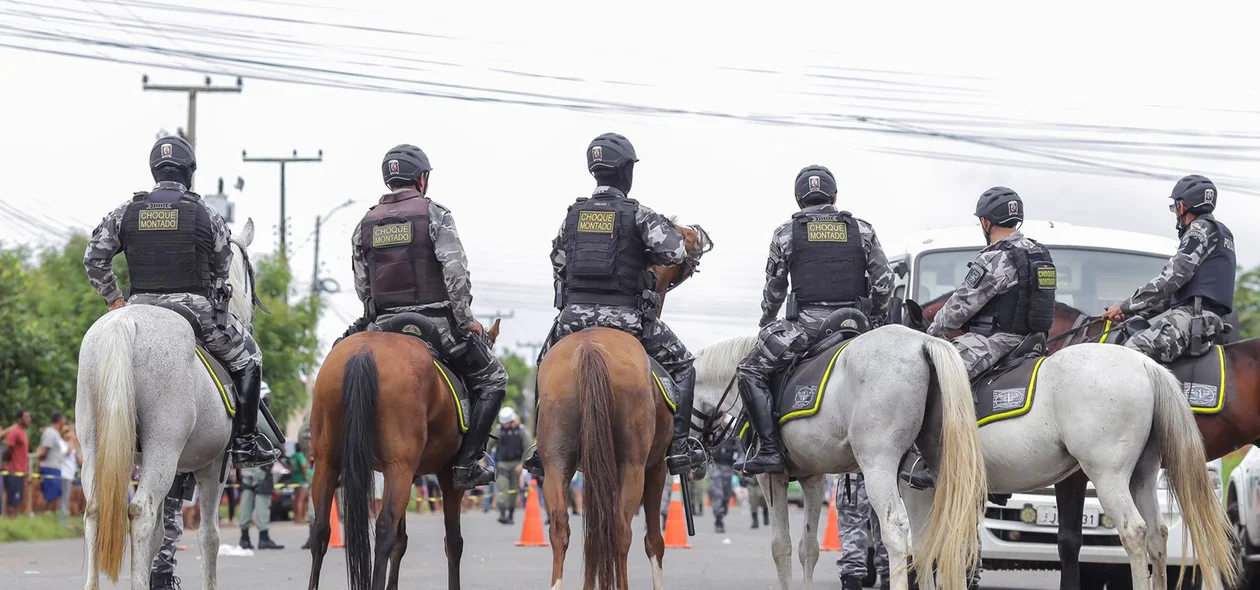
(610, 159)
(815, 185)
(172, 158)
(1196, 192)
(1001, 206)
(404, 165)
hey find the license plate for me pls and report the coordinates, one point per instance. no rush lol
(1049, 516)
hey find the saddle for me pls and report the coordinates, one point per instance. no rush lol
(1007, 389)
(422, 328)
(799, 388)
(1203, 377)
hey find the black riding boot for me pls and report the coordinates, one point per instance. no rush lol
(683, 456)
(758, 402)
(163, 582)
(919, 477)
(478, 366)
(249, 447)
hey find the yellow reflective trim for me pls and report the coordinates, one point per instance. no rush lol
(672, 406)
(822, 387)
(227, 401)
(744, 429)
(1106, 332)
(1220, 393)
(459, 408)
(1032, 390)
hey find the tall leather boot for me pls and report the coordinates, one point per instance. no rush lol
(249, 447)
(163, 582)
(758, 402)
(682, 455)
(533, 463)
(478, 366)
(919, 477)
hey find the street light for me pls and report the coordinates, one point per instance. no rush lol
(329, 286)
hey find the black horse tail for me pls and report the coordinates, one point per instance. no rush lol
(359, 388)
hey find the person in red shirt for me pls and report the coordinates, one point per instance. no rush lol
(17, 459)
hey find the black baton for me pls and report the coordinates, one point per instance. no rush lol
(686, 500)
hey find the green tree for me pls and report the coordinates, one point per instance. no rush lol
(520, 379)
(1247, 303)
(286, 337)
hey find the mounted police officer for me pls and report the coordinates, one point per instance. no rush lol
(178, 252)
(832, 261)
(408, 258)
(1195, 290)
(1007, 295)
(600, 261)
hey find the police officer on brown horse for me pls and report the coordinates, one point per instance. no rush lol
(408, 258)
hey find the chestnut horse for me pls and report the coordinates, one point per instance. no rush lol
(381, 404)
(1235, 426)
(599, 407)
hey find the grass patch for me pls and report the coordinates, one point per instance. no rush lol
(43, 527)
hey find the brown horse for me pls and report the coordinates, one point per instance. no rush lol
(1235, 426)
(381, 404)
(595, 389)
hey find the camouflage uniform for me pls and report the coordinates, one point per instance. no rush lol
(993, 273)
(666, 248)
(857, 528)
(172, 529)
(223, 335)
(781, 341)
(255, 500)
(1168, 338)
(756, 501)
(720, 472)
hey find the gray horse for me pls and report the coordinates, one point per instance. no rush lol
(143, 388)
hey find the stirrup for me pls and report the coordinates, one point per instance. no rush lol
(918, 478)
(533, 463)
(253, 450)
(693, 457)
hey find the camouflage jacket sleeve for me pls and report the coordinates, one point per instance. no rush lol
(98, 259)
(221, 258)
(776, 289)
(878, 273)
(1156, 296)
(665, 243)
(992, 274)
(557, 255)
(450, 253)
(362, 284)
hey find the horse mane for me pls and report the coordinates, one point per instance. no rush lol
(715, 363)
(242, 304)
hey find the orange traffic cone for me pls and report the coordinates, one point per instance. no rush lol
(831, 538)
(335, 539)
(532, 528)
(676, 522)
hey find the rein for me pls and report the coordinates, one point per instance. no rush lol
(711, 426)
(691, 265)
(249, 271)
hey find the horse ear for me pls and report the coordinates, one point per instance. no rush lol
(247, 232)
(493, 333)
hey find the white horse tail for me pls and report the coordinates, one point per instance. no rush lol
(951, 543)
(114, 417)
(1181, 449)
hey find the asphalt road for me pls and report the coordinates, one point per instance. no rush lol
(739, 559)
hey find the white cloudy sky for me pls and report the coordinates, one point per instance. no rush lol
(1090, 111)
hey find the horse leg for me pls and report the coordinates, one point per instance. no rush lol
(1070, 496)
(1145, 489)
(1113, 493)
(894, 524)
(324, 488)
(155, 479)
(211, 491)
(393, 507)
(90, 525)
(553, 492)
(653, 541)
(633, 478)
(812, 487)
(400, 548)
(452, 500)
(775, 488)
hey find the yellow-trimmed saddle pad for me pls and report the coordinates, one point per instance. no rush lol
(665, 384)
(222, 379)
(1203, 380)
(1008, 395)
(801, 392)
(455, 384)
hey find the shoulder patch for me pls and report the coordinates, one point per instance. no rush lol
(975, 275)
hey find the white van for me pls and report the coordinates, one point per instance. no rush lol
(1097, 268)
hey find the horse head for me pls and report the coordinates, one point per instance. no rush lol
(492, 335)
(698, 243)
(241, 276)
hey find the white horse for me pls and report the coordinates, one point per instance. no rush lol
(890, 389)
(1105, 409)
(140, 381)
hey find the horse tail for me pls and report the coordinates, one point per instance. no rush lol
(1181, 448)
(359, 389)
(114, 418)
(951, 543)
(597, 446)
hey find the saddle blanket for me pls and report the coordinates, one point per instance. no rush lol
(1008, 394)
(455, 384)
(665, 384)
(222, 379)
(1203, 380)
(800, 392)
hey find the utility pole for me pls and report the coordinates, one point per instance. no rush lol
(190, 132)
(282, 161)
(317, 286)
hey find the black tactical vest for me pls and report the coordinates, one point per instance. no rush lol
(1028, 308)
(168, 240)
(511, 444)
(828, 260)
(605, 257)
(403, 269)
(1214, 281)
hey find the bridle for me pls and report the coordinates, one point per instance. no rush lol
(718, 426)
(691, 265)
